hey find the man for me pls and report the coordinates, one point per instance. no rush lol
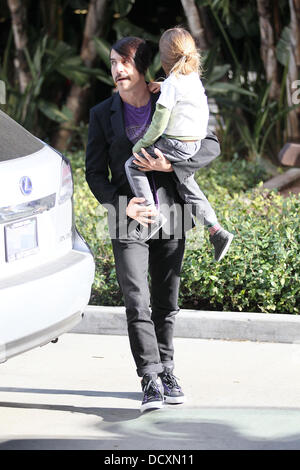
(115, 125)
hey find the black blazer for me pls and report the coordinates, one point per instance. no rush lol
(108, 149)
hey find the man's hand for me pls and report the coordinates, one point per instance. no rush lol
(161, 163)
(141, 214)
(154, 87)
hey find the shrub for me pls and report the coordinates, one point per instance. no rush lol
(260, 271)
(88, 213)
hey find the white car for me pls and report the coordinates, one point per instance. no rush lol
(46, 268)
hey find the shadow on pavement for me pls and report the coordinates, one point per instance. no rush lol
(107, 414)
(194, 436)
(87, 393)
(172, 428)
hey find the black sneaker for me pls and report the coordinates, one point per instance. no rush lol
(153, 393)
(172, 391)
(148, 232)
(221, 241)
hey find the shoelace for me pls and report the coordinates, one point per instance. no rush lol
(151, 389)
(170, 380)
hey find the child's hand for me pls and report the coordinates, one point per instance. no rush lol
(154, 87)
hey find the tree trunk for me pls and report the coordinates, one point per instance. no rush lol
(18, 17)
(207, 25)
(268, 45)
(195, 22)
(294, 69)
(52, 21)
(77, 97)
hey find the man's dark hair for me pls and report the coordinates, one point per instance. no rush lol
(136, 48)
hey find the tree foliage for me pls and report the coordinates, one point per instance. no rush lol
(241, 77)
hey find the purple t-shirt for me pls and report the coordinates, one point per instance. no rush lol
(137, 120)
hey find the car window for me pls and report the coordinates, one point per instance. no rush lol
(15, 141)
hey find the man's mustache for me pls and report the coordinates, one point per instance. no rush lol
(120, 77)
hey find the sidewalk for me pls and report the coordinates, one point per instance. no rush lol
(262, 327)
(83, 393)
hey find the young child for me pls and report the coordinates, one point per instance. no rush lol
(178, 125)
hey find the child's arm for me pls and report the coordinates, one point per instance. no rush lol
(158, 125)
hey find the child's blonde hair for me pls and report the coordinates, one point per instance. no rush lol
(178, 52)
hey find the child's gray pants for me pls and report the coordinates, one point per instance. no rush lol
(175, 151)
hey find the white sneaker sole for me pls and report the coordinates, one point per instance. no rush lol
(226, 248)
(175, 400)
(153, 405)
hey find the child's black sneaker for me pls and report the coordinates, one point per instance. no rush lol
(153, 393)
(221, 241)
(172, 391)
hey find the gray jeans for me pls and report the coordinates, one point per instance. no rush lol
(175, 151)
(150, 330)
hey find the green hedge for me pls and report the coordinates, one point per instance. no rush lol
(261, 271)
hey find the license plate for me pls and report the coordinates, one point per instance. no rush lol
(21, 239)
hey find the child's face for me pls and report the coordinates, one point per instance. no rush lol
(164, 68)
(163, 64)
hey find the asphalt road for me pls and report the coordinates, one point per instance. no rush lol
(83, 393)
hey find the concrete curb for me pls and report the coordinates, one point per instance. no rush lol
(283, 180)
(238, 326)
